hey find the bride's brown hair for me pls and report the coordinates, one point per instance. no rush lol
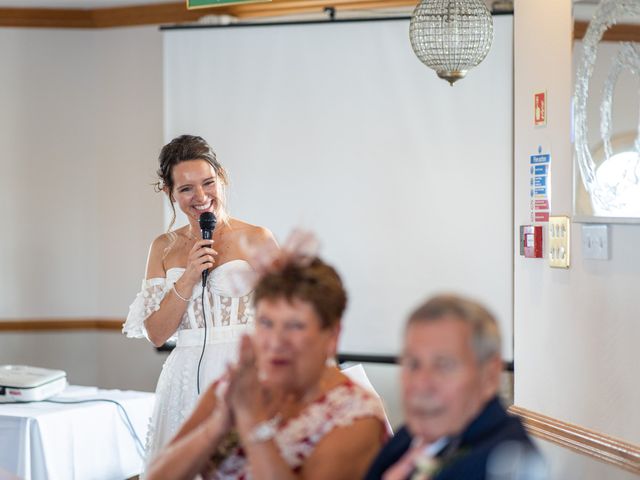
(182, 149)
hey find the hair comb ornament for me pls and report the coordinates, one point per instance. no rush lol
(300, 248)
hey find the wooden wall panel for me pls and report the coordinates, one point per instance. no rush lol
(588, 442)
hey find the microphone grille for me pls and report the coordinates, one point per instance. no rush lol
(207, 221)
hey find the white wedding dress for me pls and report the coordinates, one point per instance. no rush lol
(229, 314)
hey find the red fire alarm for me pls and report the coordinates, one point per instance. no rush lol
(540, 108)
(531, 241)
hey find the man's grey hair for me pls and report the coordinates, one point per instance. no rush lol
(486, 335)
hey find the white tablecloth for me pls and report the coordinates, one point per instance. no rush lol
(77, 441)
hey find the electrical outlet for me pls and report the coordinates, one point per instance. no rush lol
(559, 241)
(595, 242)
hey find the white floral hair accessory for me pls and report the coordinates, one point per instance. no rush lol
(300, 248)
(426, 468)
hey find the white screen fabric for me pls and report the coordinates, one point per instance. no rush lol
(338, 127)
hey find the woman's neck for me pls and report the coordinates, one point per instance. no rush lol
(304, 395)
(194, 232)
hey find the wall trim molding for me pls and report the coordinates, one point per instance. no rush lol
(56, 324)
(596, 445)
(622, 32)
(176, 13)
(45, 18)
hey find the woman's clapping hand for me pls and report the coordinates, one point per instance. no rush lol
(250, 401)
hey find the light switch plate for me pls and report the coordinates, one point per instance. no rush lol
(559, 241)
(595, 242)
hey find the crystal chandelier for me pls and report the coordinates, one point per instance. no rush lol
(451, 36)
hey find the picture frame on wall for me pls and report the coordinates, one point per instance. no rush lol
(606, 136)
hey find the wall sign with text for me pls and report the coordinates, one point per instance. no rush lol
(539, 186)
(540, 108)
(218, 3)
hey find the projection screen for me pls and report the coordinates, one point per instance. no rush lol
(337, 127)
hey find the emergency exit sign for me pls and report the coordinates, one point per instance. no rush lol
(218, 3)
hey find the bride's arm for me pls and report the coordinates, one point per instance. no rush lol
(163, 323)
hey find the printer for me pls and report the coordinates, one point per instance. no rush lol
(22, 383)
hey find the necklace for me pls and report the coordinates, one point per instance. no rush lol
(190, 234)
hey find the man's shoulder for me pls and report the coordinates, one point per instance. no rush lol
(495, 425)
(491, 435)
(390, 453)
(399, 443)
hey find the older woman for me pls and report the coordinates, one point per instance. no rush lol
(284, 411)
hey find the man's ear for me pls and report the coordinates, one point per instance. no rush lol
(491, 371)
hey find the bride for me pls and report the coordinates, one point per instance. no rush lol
(171, 302)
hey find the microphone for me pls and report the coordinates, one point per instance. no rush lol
(207, 226)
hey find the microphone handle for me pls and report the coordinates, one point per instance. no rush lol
(206, 235)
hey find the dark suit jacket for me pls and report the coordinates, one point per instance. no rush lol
(490, 428)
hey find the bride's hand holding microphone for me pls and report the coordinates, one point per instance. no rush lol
(201, 257)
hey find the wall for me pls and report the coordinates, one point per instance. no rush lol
(80, 129)
(564, 464)
(576, 331)
(48, 174)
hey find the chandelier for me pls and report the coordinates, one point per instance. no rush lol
(451, 36)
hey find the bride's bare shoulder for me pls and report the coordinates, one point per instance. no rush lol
(254, 233)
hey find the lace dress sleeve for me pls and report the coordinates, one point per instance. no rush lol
(146, 302)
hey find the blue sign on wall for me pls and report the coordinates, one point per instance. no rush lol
(539, 169)
(540, 181)
(543, 158)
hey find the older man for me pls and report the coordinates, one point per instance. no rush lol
(456, 427)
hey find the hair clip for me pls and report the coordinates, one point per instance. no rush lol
(299, 250)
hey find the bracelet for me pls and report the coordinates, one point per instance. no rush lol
(175, 290)
(264, 431)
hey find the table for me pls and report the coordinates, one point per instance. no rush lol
(43, 440)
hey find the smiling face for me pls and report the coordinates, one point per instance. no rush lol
(444, 385)
(291, 345)
(196, 188)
